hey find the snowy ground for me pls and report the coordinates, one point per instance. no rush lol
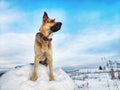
(87, 80)
(83, 79)
(97, 84)
(19, 79)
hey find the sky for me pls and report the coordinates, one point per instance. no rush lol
(90, 30)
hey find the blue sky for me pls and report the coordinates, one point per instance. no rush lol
(90, 30)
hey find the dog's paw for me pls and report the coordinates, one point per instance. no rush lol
(51, 79)
(33, 78)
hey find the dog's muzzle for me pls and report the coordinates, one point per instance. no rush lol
(56, 27)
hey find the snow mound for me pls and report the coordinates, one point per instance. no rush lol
(18, 79)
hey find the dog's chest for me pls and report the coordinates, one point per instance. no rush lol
(45, 47)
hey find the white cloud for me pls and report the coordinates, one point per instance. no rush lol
(75, 49)
(16, 48)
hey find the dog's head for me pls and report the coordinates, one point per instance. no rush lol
(50, 24)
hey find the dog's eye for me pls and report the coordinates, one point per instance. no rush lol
(53, 20)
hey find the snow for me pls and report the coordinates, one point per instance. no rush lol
(92, 79)
(18, 79)
(97, 84)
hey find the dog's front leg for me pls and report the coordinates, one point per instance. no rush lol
(36, 63)
(50, 63)
(34, 75)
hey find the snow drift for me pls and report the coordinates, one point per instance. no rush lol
(18, 79)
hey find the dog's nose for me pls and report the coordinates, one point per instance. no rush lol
(59, 24)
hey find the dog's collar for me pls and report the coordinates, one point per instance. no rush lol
(44, 37)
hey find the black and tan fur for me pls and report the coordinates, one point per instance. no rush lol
(43, 46)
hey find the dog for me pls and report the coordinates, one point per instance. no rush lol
(43, 45)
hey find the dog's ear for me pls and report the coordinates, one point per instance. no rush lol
(45, 16)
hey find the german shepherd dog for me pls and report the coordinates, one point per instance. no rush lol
(43, 46)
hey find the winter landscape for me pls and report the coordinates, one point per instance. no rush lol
(106, 78)
(102, 78)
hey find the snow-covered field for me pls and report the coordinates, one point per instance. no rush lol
(93, 79)
(19, 79)
(82, 79)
